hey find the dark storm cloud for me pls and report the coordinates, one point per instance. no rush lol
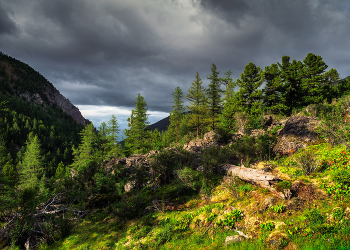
(7, 26)
(105, 52)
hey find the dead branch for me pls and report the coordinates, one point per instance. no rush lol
(257, 177)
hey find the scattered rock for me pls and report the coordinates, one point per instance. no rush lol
(299, 132)
(277, 239)
(257, 132)
(129, 185)
(197, 146)
(267, 203)
(232, 239)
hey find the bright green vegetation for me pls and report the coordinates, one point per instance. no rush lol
(173, 205)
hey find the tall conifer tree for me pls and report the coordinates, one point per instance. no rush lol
(273, 98)
(176, 113)
(196, 96)
(138, 136)
(214, 96)
(249, 95)
(291, 73)
(32, 164)
(112, 131)
(314, 86)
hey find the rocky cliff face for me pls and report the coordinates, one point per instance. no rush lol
(55, 97)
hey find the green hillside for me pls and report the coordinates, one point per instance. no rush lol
(65, 186)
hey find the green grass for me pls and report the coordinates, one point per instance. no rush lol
(322, 223)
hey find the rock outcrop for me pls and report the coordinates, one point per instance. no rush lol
(298, 132)
(55, 97)
(197, 146)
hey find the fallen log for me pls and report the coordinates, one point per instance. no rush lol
(258, 177)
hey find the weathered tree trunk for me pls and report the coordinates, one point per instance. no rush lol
(257, 177)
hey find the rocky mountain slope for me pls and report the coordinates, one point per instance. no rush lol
(18, 78)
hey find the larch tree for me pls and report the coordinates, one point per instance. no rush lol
(138, 136)
(31, 167)
(197, 99)
(214, 96)
(85, 156)
(228, 83)
(176, 113)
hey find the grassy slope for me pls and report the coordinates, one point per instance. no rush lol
(314, 220)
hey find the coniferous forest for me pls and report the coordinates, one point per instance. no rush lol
(64, 185)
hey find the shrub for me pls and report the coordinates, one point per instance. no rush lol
(315, 216)
(267, 226)
(281, 186)
(231, 218)
(307, 161)
(278, 208)
(189, 177)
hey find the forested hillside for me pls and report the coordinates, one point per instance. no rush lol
(60, 180)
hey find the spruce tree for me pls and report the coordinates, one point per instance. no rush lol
(197, 99)
(249, 96)
(176, 113)
(138, 136)
(214, 96)
(273, 98)
(112, 132)
(32, 164)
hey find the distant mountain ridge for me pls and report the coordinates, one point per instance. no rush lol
(18, 78)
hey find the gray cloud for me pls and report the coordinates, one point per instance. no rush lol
(105, 52)
(7, 26)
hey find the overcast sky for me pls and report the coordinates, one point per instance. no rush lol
(100, 54)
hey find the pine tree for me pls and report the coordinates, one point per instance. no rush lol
(137, 140)
(176, 113)
(273, 98)
(32, 164)
(291, 73)
(112, 132)
(196, 96)
(313, 86)
(249, 96)
(214, 96)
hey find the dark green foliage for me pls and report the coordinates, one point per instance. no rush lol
(176, 113)
(273, 92)
(291, 74)
(164, 165)
(138, 136)
(342, 176)
(196, 96)
(314, 89)
(250, 149)
(104, 183)
(281, 186)
(249, 96)
(23, 76)
(214, 96)
(315, 217)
